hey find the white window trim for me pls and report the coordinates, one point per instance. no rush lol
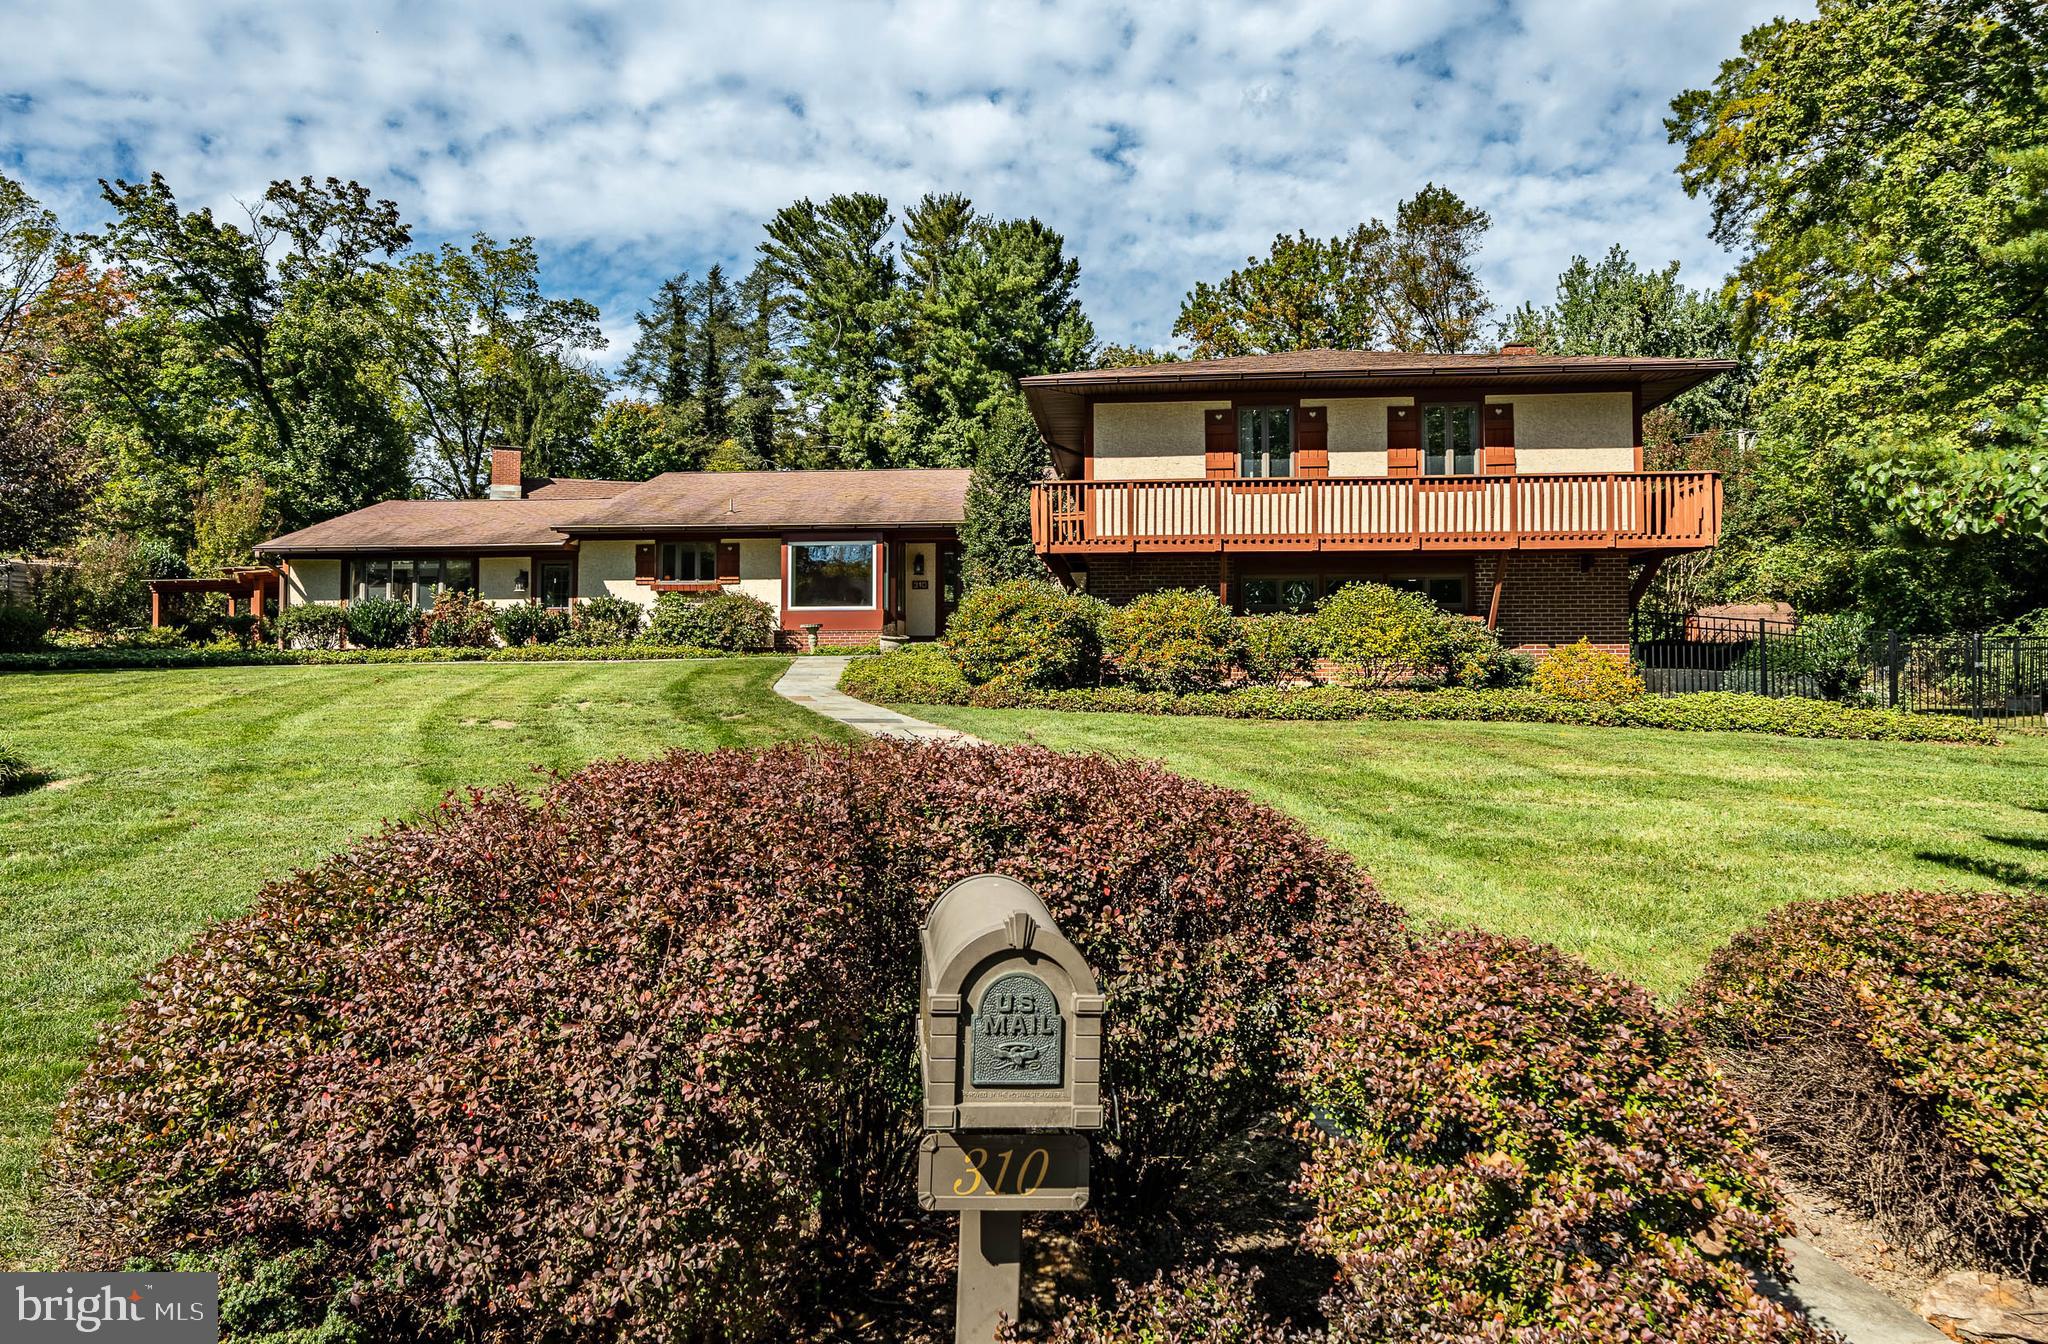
(874, 572)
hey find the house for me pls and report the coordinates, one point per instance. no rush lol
(1507, 486)
(851, 553)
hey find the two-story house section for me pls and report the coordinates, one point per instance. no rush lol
(1509, 487)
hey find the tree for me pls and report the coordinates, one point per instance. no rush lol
(1616, 308)
(659, 362)
(988, 302)
(1868, 166)
(635, 440)
(46, 471)
(831, 273)
(1409, 287)
(483, 353)
(1130, 357)
(249, 347)
(995, 539)
(227, 522)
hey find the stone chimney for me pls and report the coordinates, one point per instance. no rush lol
(1517, 348)
(505, 480)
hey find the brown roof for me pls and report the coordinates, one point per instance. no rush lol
(435, 524)
(744, 500)
(572, 487)
(734, 501)
(1058, 400)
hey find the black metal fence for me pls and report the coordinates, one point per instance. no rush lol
(1990, 678)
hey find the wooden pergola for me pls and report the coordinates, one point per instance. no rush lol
(251, 585)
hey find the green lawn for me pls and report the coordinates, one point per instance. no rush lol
(178, 793)
(1638, 850)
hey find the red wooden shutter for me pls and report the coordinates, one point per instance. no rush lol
(1219, 443)
(728, 561)
(1312, 442)
(1497, 433)
(1404, 441)
(644, 570)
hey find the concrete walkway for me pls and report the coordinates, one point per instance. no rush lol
(813, 682)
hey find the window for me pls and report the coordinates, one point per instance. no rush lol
(689, 562)
(1446, 590)
(554, 585)
(413, 579)
(1265, 441)
(832, 574)
(1293, 592)
(1450, 440)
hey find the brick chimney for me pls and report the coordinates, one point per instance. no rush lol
(505, 479)
(1517, 348)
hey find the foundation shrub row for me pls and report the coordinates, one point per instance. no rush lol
(724, 621)
(1031, 635)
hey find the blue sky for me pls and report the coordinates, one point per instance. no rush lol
(635, 140)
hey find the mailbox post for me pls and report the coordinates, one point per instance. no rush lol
(1010, 1050)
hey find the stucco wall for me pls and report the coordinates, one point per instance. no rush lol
(1150, 440)
(1573, 431)
(1358, 434)
(761, 571)
(606, 568)
(498, 578)
(312, 581)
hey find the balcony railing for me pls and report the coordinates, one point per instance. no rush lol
(1660, 510)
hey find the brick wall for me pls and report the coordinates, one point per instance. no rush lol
(1550, 598)
(798, 642)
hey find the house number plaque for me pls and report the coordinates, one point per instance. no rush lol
(1017, 1035)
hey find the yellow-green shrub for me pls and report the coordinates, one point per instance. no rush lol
(1581, 672)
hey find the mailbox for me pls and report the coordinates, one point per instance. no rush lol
(1010, 1018)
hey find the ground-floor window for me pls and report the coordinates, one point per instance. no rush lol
(555, 584)
(414, 579)
(689, 562)
(832, 574)
(1301, 592)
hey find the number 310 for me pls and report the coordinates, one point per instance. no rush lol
(1027, 1184)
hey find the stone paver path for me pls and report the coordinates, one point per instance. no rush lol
(813, 682)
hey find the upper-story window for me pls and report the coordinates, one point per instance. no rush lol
(1265, 441)
(1450, 440)
(689, 562)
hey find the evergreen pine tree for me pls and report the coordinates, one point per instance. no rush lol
(996, 536)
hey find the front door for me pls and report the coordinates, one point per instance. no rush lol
(554, 585)
(949, 581)
(921, 589)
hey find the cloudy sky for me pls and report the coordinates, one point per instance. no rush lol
(1167, 142)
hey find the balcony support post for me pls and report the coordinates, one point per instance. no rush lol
(1223, 567)
(1501, 560)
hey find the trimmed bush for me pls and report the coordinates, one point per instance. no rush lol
(1471, 655)
(313, 627)
(1214, 1304)
(15, 771)
(21, 628)
(1895, 1047)
(1510, 1145)
(1179, 639)
(605, 620)
(1026, 634)
(381, 623)
(1586, 674)
(928, 683)
(607, 1059)
(524, 623)
(735, 621)
(1386, 635)
(459, 620)
(923, 674)
(1278, 649)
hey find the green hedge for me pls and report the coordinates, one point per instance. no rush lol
(927, 677)
(114, 659)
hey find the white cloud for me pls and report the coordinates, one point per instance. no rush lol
(634, 140)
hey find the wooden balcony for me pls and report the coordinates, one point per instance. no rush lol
(1624, 511)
